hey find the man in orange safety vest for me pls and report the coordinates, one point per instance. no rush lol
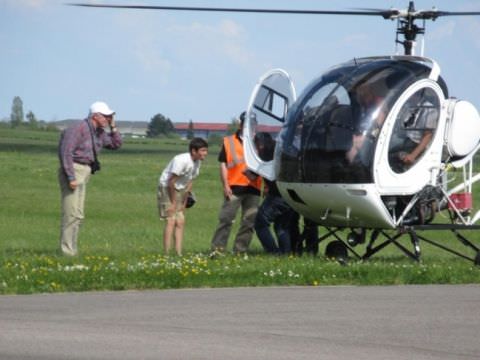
(241, 189)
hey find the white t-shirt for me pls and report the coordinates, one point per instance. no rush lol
(184, 167)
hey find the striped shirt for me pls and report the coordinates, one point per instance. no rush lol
(76, 145)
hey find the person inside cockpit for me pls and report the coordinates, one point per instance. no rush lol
(413, 132)
(371, 115)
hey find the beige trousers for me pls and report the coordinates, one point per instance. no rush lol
(163, 203)
(249, 205)
(73, 202)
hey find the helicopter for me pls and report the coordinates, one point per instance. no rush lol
(372, 146)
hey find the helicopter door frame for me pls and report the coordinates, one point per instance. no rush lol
(271, 98)
(424, 171)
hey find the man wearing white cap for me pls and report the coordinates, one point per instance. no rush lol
(79, 145)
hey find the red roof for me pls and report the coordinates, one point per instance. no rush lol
(202, 126)
(268, 128)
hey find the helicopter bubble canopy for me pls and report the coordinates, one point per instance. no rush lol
(335, 160)
(332, 130)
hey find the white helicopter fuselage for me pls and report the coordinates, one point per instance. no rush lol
(341, 157)
(339, 205)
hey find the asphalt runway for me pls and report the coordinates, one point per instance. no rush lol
(341, 322)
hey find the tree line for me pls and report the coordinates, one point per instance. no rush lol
(159, 125)
(18, 119)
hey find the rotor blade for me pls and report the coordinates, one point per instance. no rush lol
(268, 11)
(386, 13)
(433, 14)
(374, 9)
(423, 14)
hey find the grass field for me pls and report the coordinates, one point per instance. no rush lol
(120, 241)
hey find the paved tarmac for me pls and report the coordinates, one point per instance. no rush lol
(342, 322)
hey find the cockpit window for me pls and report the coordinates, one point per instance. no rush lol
(324, 115)
(413, 130)
(332, 129)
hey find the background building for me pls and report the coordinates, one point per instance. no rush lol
(138, 129)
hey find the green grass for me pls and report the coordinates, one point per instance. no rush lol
(121, 238)
(32, 273)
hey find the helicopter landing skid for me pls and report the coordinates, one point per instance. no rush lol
(415, 238)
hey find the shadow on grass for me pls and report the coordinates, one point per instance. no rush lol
(129, 150)
(28, 143)
(28, 148)
(22, 252)
(32, 148)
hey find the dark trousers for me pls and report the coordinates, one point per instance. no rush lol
(305, 241)
(274, 210)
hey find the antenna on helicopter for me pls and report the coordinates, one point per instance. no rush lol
(406, 26)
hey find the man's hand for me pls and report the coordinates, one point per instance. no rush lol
(73, 184)
(111, 121)
(409, 159)
(227, 192)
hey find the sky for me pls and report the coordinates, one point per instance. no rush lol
(201, 66)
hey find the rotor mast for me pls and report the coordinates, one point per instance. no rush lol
(406, 26)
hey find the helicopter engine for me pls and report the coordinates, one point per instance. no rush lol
(462, 135)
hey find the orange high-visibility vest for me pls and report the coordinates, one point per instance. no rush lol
(236, 164)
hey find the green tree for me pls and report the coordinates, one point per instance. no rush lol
(233, 126)
(159, 125)
(190, 132)
(215, 139)
(16, 116)
(32, 120)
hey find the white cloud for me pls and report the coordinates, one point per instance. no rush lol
(355, 38)
(231, 29)
(465, 28)
(160, 44)
(142, 40)
(27, 4)
(473, 26)
(150, 57)
(225, 39)
(441, 30)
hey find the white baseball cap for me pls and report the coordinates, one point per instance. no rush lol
(102, 108)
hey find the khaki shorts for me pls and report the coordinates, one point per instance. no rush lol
(163, 203)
